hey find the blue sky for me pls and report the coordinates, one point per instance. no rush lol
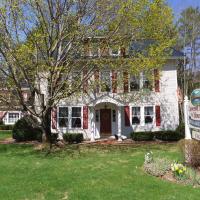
(179, 5)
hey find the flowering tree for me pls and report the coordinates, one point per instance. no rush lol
(41, 44)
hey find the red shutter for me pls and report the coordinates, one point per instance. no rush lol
(96, 77)
(54, 118)
(85, 117)
(127, 115)
(158, 116)
(125, 78)
(114, 81)
(157, 80)
(85, 81)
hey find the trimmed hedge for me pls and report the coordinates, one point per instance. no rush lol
(142, 136)
(168, 135)
(6, 127)
(176, 135)
(73, 137)
(26, 129)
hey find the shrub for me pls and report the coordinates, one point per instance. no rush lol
(73, 137)
(142, 136)
(191, 151)
(168, 135)
(6, 127)
(27, 129)
(158, 167)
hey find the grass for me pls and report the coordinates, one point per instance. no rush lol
(5, 135)
(86, 173)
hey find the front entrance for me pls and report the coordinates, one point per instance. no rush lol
(105, 122)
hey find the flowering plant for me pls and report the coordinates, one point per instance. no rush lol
(178, 169)
(148, 158)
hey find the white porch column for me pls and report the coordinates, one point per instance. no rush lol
(186, 117)
(92, 114)
(119, 123)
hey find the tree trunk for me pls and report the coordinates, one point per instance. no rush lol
(46, 128)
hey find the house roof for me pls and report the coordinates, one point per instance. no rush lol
(142, 45)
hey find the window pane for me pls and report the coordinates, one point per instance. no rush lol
(135, 120)
(63, 122)
(146, 82)
(148, 119)
(76, 111)
(13, 117)
(135, 110)
(63, 112)
(105, 81)
(76, 122)
(148, 110)
(135, 115)
(134, 83)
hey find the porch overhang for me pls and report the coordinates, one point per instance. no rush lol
(106, 99)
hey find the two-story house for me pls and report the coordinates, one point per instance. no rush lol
(121, 107)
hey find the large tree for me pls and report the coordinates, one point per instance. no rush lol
(41, 44)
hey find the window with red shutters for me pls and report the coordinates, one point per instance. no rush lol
(114, 81)
(158, 116)
(125, 79)
(85, 117)
(54, 118)
(156, 80)
(127, 115)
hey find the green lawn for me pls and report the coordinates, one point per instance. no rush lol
(86, 173)
(5, 134)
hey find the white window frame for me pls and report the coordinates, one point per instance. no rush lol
(140, 116)
(77, 117)
(70, 118)
(153, 116)
(63, 117)
(13, 122)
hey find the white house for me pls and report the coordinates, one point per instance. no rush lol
(120, 109)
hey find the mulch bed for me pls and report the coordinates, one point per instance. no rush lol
(124, 142)
(127, 142)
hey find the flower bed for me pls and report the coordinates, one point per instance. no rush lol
(171, 171)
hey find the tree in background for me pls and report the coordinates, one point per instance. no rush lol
(41, 45)
(189, 37)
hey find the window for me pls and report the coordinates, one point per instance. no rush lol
(136, 115)
(134, 83)
(63, 117)
(148, 115)
(145, 82)
(76, 117)
(105, 81)
(114, 115)
(13, 117)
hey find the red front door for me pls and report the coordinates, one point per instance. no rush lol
(105, 121)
